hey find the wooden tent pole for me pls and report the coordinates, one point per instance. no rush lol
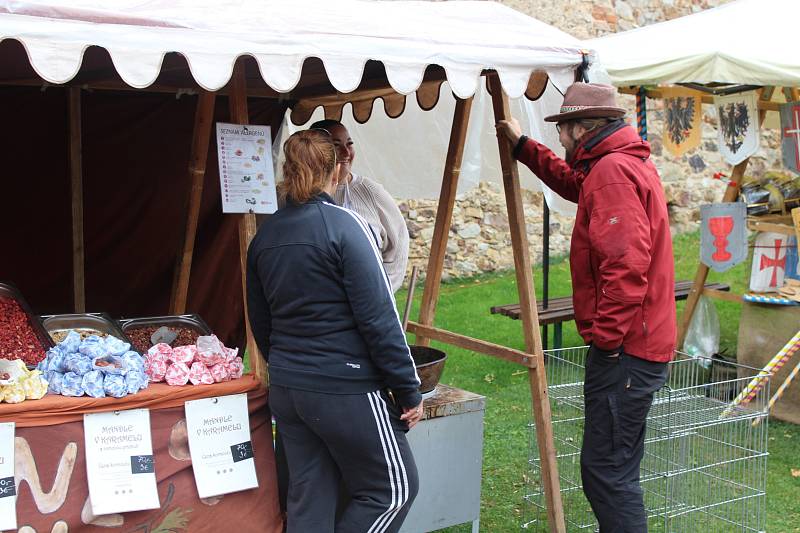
(201, 138)
(76, 179)
(530, 319)
(731, 194)
(444, 215)
(247, 222)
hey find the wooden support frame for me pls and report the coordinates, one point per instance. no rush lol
(530, 319)
(201, 138)
(731, 194)
(76, 186)
(533, 356)
(247, 222)
(444, 215)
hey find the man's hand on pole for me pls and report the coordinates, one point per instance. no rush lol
(511, 129)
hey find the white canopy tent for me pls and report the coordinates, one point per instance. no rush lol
(302, 55)
(741, 42)
(463, 38)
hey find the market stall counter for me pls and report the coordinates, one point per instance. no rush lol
(51, 479)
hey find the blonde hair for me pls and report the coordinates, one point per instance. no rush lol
(309, 166)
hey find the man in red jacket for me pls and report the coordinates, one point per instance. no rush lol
(622, 282)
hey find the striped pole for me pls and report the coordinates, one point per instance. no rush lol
(755, 385)
(779, 393)
(641, 113)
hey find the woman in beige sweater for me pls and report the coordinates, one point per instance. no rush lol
(370, 200)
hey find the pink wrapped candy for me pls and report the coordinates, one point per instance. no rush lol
(220, 372)
(210, 350)
(160, 349)
(230, 353)
(236, 368)
(199, 374)
(184, 354)
(177, 374)
(156, 368)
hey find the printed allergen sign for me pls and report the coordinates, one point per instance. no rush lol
(119, 461)
(8, 489)
(246, 175)
(219, 443)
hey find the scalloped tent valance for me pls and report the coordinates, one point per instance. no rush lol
(309, 52)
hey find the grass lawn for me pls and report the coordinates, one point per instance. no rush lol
(464, 308)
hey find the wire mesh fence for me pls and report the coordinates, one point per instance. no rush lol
(705, 461)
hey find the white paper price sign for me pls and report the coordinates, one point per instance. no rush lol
(219, 442)
(246, 176)
(119, 461)
(8, 489)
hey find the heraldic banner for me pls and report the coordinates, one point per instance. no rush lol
(790, 135)
(682, 120)
(738, 126)
(769, 262)
(723, 235)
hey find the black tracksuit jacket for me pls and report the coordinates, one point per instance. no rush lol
(321, 307)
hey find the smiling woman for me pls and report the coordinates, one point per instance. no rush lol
(370, 200)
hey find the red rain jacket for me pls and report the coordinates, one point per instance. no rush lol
(621, 259)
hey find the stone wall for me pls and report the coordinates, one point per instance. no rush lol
(480, 241)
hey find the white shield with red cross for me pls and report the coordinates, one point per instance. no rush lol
(723, 235)
(790, 136)
(769, 262)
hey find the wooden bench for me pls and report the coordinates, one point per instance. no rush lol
(559, 310)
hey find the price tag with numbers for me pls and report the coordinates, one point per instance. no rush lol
(8, 488)
(220, 446)
(119, 461)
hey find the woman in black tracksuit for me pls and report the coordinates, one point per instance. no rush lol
(343, 387)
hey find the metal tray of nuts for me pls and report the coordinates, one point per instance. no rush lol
(83, 323)
(8, 290)
(190, 322)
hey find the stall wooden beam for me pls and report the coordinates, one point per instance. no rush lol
(731, 194)
(530, 320)
(763, 105)
(201, 138)
(474, 345)
(76, 180)
(247, 222)
(444, 215)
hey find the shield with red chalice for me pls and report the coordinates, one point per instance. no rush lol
(723, 235)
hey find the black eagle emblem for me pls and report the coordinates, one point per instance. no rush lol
(734, 119)
(679, 114)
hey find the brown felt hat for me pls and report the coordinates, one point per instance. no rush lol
(588, 100)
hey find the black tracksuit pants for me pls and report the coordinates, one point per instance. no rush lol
(356, 438)
(618, 392)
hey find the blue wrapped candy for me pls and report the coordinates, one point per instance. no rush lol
(115, 346)
(135, 381)
(54, 381)
(133, 361)
(77, 363)
(71, 342)
(55, 361)
(93, 346)
(115, 386)
(93, 384)
(72, 385)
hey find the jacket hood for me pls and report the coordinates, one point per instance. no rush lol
(614, 137)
